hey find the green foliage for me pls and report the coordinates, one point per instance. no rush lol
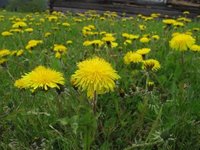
(27, 5)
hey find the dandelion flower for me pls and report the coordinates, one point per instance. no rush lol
(19, 24)
(151, 64)
(41, 77)
(33, 43)
(143, 51)
(4, 52)
(132, 57)
(95, 75)
(169, 21)
(181, 42)
(195, 48)
(144, 40)
(6, 33)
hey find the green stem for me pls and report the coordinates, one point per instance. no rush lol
(59, 106)
(94, 103)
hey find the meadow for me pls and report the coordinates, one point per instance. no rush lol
(120, 82)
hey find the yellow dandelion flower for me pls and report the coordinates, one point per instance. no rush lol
(143, 51)
(186, 12)
(66, 24)
(114, 44)
(108, 39)
(19, 24)
(155, 37)
(95, 75)
(142, 27)
(169, 21)
(151, 64)
(144, 40)
(16, 30)
(59, 48)
(181, 42)
(178, 24)
(29, 30)
(195, 48)
(69, 42)
(132, 57)
(87, 43)
(52, 18)
(41, 77)
(33, 43)
(19, 52)
(4, 52)
(126, 42)
(6, 33)
(47, 34)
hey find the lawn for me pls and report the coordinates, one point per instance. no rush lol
(114, 82)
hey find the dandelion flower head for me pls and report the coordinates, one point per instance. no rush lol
(181, 42)
(95, 75)
(41, 77)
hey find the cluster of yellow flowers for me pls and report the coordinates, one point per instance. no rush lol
(94, 75)
(139, 57)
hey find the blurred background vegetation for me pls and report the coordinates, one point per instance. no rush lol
(24, 5)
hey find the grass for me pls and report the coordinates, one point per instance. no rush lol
(131, 117)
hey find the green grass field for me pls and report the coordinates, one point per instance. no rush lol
(148, 109)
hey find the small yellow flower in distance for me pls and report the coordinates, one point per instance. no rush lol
(155, 37)
(184, 19)
(59, 48)
(114, 44)
(130, 36)
(97, 43)
(95, 75)
(69, 42)
(142, 27)
(4, 52)
(195, 48)
(47, 34)
(6, 33)
(186, 12)
(16, 30)
(144, 40)
(33, 43)
(132, 57)
(66, 24)
(127, 42)
(40, 77)
(29, 30)
(108, 39)
(143, 51)
(151, 64)
(19, 52)
(178, 24)
(169, 21)
(103, 33)
(181, 42)
(19, 24)
(87, 43)
(52, 18)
